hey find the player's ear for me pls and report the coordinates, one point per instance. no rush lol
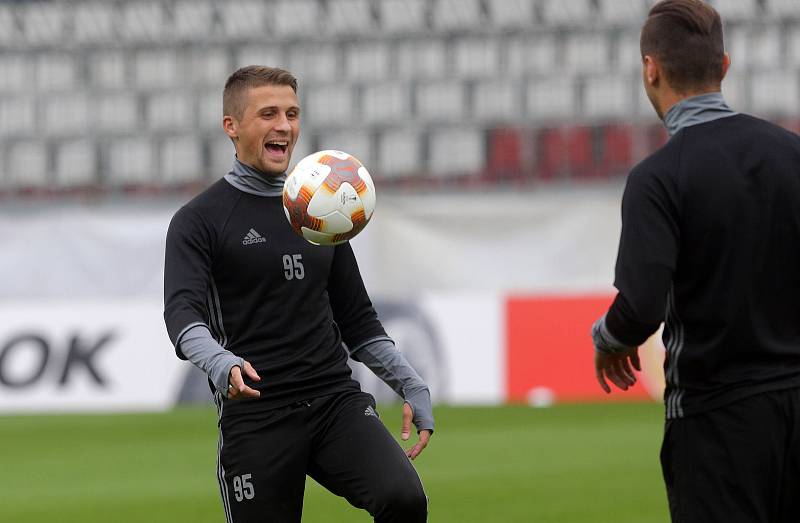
(231, 126)
(726, 63)
(651, 70)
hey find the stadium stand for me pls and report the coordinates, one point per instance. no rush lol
(113, 96)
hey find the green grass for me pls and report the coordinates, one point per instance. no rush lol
(566, 464)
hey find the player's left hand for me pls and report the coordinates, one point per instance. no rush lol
(617, 368)
(405, 433)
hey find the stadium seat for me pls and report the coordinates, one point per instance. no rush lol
(261, 54)
(496, 100)
(622, 12)
(627, 53)
(734, 89)
(9, 34)
(531, 55)
(737, 10)
(330, 104)
(507, 155)
(93, 22)
(65, 114)
(116, 112)
(399, 154)
(207, 67)
(765, 48)
(107, 70)
(782, 8)
(775, 93)
(386, 103)
(17, 116)
(142, 21)
(573, 12)
(476, 57)
(76, 164)
(56, 72)
(169, 110)
(43, 23)
(156, 69)
(403, 16)
(587, 52)
(356, 142)
(449, 15)
(421, 58)
(302, 148)
(26, 165)
(315, 63)
(511, 13)
(440, 100)
(220, 153)
(551, 98)
(616, 149)
(737, 45)
(16, 72)
(181, 160)
(209, 110)
(564, 152)
(793, 46)
(609, 97)
(457, 152)
(294, 19)
(192, 20)
(131, 161)
(367, 61)
(349, 18)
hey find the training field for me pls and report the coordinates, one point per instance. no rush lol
(566, 464)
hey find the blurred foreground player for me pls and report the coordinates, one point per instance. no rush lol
(710, 245)
(264, 314)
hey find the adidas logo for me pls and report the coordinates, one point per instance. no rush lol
(369, 411)
(253, 237)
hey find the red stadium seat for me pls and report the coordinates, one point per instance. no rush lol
(506, 154)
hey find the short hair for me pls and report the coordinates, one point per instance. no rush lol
(686, 37)
(249, 77)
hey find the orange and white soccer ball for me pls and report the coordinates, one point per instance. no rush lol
(329, 197)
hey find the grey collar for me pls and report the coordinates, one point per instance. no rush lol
(696, 110)
(253, 181)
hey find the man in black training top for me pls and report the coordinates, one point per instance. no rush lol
(710, 245)
(264, 314)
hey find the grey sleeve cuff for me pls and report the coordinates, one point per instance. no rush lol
(202, 349)
(389, 364)
(604, 341)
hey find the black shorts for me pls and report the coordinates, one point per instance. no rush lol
(338, 440)
(738, 463)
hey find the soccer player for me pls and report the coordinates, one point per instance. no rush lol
(710, 244)
(264, 314)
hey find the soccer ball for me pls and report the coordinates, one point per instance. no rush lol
(328, 197)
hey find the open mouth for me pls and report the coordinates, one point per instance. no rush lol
(277, 147)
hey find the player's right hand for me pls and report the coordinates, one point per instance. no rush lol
(237, 389)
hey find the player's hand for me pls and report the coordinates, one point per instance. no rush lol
(405, 433)
(617, 368)
(237, 389)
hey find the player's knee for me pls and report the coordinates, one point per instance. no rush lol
(407, 503)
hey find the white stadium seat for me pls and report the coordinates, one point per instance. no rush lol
(457, 152)
(246, 18)
(765, 48)
(551, 98)
(622, 12)
(572, 12)
(56, 72)
(781, 8)
(209, 110)
(587, 52)
(17, 116)
(476, 57)
(260, 54)
(296, 18)
(422, 58)
(511, 13)
(355, 142)
(16, 72)
(27, 165)
(75, 164)
(451, 15)
(737, 45)
(793, 47)
(93, 22)
(440, 100)
(316, 63)
(775, 93)
(108, 70)
(181, 160)
(131, 161)
(399, 154)
(192, 19)
(531, 55)
(734, 89)
(734, 10)
(386, 103)
(207, 66)
(609, 97)
(9, 34)
(627, 52)
(142, 22)
(170, 110)
(330, 104)
(367, 61)
(156, 69)
(221, 152)
(43, 23)
(403, 16)
(497, 100)
(116, 113)
(348, 18)
(65, 114)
